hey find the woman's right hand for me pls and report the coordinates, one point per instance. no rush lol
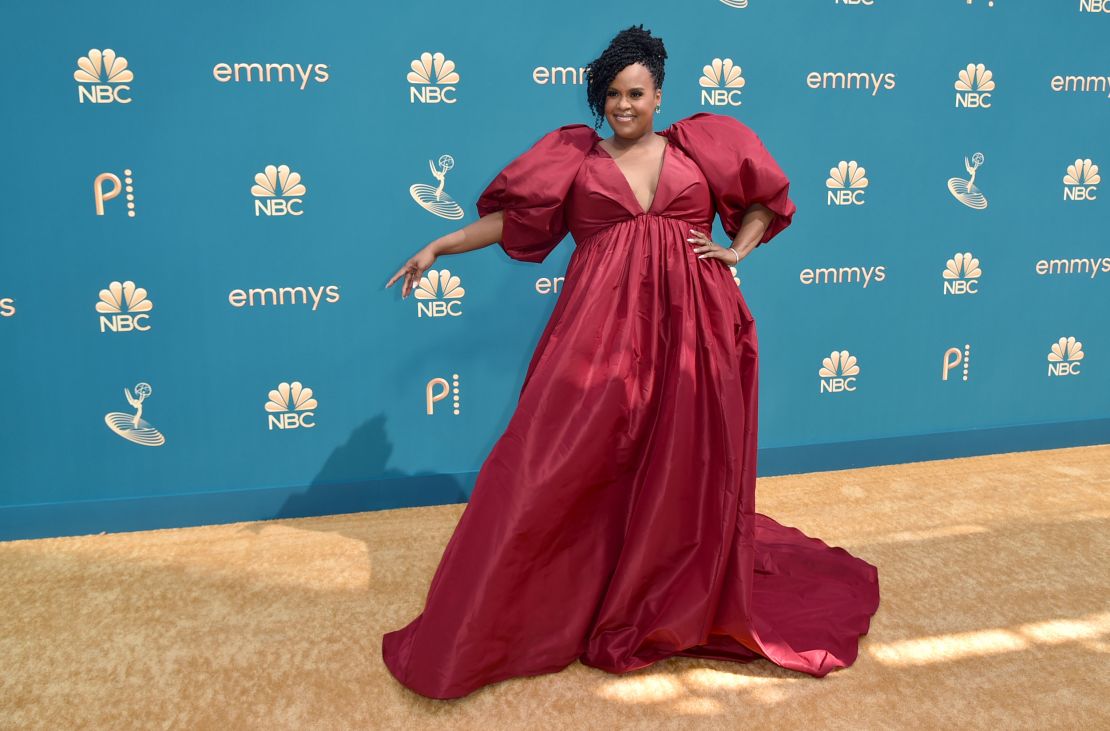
(414, 269)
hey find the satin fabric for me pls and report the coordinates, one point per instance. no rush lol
(614, 520)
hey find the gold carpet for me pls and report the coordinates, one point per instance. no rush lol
(995, 614)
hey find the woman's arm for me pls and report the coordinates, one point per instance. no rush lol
(752, 226)
(485, 231)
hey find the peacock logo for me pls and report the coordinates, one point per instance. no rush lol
(974, 85)
(432, 79)
(440, 389)
(955, 358)
(721, 82)
(838, 372)
(1064, 357)
(278, 191)
(1081, 181)
(124, 307)
(846, 184)
(439, 294)
(102, 194)
(103, 78)
(961, 274)
(289, 406)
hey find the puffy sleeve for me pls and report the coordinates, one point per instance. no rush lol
(739, 169)
(532, 191)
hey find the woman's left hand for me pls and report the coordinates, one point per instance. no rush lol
(707, 249)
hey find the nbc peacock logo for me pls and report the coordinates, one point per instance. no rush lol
(846, 184)
(974, 85)
(956, 359)
(721, 83)
(838, 372)
(965, 191)
(290, 406)
(1064, 357)
(438, 294)
(133, 427)
(103, 78)
(278, 191)
(961, 274)
(432, 79)
(1081, 181)
(124, 307)
(434, 199)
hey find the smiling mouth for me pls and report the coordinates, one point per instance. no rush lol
(623, 117)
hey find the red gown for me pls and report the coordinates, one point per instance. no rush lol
(614, 520)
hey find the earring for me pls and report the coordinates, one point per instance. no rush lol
(658, 107)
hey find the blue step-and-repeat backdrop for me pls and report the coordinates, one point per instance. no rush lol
(203, 204)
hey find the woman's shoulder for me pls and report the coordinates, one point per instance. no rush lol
(577, 135)
(708, 123)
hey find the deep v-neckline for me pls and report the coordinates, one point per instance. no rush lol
(628, 183)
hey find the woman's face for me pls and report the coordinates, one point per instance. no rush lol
(630, 101)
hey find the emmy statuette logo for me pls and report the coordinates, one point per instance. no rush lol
(961, 274)
(103, 78)
(432, 79)
(278, 191)
(846, 184)
(1064, 357)
(435, 199)
(838, 372)
(290, 406)
(133, 427)
(721, 83)
(955, 358)
(123, 307)
(964, 190)
(439, 293)
(102, 193)
(437, 389)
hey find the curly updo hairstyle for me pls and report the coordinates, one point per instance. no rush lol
(631, 45)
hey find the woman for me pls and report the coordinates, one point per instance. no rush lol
(614, 520)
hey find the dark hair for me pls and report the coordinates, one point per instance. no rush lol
(631, 45)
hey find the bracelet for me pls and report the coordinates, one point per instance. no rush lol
(734, 251)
